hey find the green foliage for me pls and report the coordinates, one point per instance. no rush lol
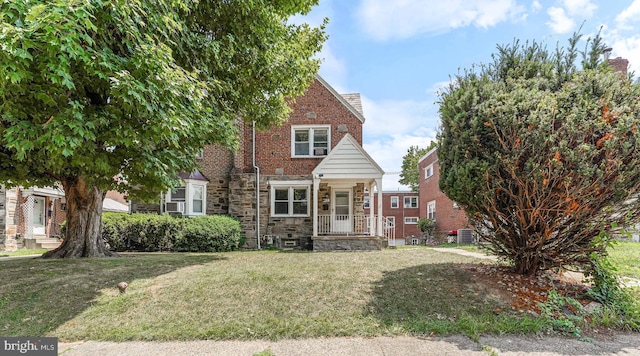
(210, 234)
(565, 314)
(91, 89)
(410, 174)
(540, 154)
(427, 225)
(150, 232)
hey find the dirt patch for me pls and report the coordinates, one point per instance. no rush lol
(524, 293)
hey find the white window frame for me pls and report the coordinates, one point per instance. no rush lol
(311, 129)
(411, 220)
(397, 202)
(411, 204)
(190, 186)
(415, 241)
(428, 171)
(391, 222)
(367, 202)
(290, 186)
(431, 210)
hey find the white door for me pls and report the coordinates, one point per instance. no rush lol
(38, 215)
(341, 211)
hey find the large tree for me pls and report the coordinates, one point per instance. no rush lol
(121, 94)
(542, 154)
(410, 173)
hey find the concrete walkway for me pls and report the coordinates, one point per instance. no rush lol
(625, 344)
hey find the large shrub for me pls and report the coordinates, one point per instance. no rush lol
(150, 232)
(209, 234)
(542, 155)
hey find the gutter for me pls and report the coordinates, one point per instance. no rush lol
(257, 170)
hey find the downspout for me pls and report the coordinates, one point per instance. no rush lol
(257, 170)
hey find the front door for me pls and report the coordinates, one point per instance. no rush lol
(38, 215)
(341, 211)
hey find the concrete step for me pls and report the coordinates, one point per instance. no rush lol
(49, 245)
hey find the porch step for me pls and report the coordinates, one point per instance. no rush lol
(50, 243)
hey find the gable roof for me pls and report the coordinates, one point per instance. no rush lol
(348, 160)
(343, 100)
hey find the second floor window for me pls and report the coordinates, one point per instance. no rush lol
(310, 141)
(428, 171)
(431, 210)
(410, 202)
(394, 202)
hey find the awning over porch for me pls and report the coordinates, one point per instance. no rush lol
(345, 166)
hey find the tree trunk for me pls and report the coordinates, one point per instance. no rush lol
(83, 236)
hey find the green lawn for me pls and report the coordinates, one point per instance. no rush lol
(23, 252)
(625, 256)
(246, 295)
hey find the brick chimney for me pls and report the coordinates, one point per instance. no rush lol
(619, 64)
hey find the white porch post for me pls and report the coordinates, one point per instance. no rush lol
(379, 187)
(372, 228)
(316, 186)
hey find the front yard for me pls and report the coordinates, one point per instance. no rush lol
(250, 295)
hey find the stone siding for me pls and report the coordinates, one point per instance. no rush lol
(218, 195)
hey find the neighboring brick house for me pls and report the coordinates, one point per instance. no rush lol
(401, 210)
(434, 203)
(30, 218)
(312, 173)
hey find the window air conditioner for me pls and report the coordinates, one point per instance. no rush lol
(320, 151)
(174, 207)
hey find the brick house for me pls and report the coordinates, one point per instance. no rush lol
(310, 173)
(30, 218)
(434, 203)
(401, 210)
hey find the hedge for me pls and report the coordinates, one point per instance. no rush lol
(150, 232)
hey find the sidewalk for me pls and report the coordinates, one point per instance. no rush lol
(625, 344)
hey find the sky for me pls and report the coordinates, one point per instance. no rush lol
(398, 53)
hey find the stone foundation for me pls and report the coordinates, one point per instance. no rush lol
(346, 243)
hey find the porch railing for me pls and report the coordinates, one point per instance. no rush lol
(363, 225)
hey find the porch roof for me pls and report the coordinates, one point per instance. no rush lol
(348, 160)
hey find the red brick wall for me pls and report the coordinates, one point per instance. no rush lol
(402, 230)
(447, 218)
(619, 64)
(273, 147)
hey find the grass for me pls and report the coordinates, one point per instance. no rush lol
(250, 295)
(625, 256)
(23, 252)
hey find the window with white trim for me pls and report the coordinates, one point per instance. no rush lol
(391, 222)
(310, 141)
(411, 220)
(367, 201)
(410, 202)
(289, 200)
(395, 202)
(197, 199)
(415, 241)
(178, 194)
(428, 171)
(431, 209)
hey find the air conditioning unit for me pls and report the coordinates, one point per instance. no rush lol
(465, 236)
(174, 207)
(320, 151)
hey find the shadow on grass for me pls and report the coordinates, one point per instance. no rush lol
(443, 299)
(38, 295)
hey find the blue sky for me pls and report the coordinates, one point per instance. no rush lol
(398, 53)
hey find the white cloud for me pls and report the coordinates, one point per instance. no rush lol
(560, 23)
(536, 6)
(384, 19)
(394, 126)
(579, 8)
(630, 15)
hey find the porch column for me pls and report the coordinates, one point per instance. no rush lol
(372, 228)
(316, 186)
(379, 187)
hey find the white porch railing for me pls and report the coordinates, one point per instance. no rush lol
(362, 225)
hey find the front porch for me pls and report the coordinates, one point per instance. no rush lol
(339, 185)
